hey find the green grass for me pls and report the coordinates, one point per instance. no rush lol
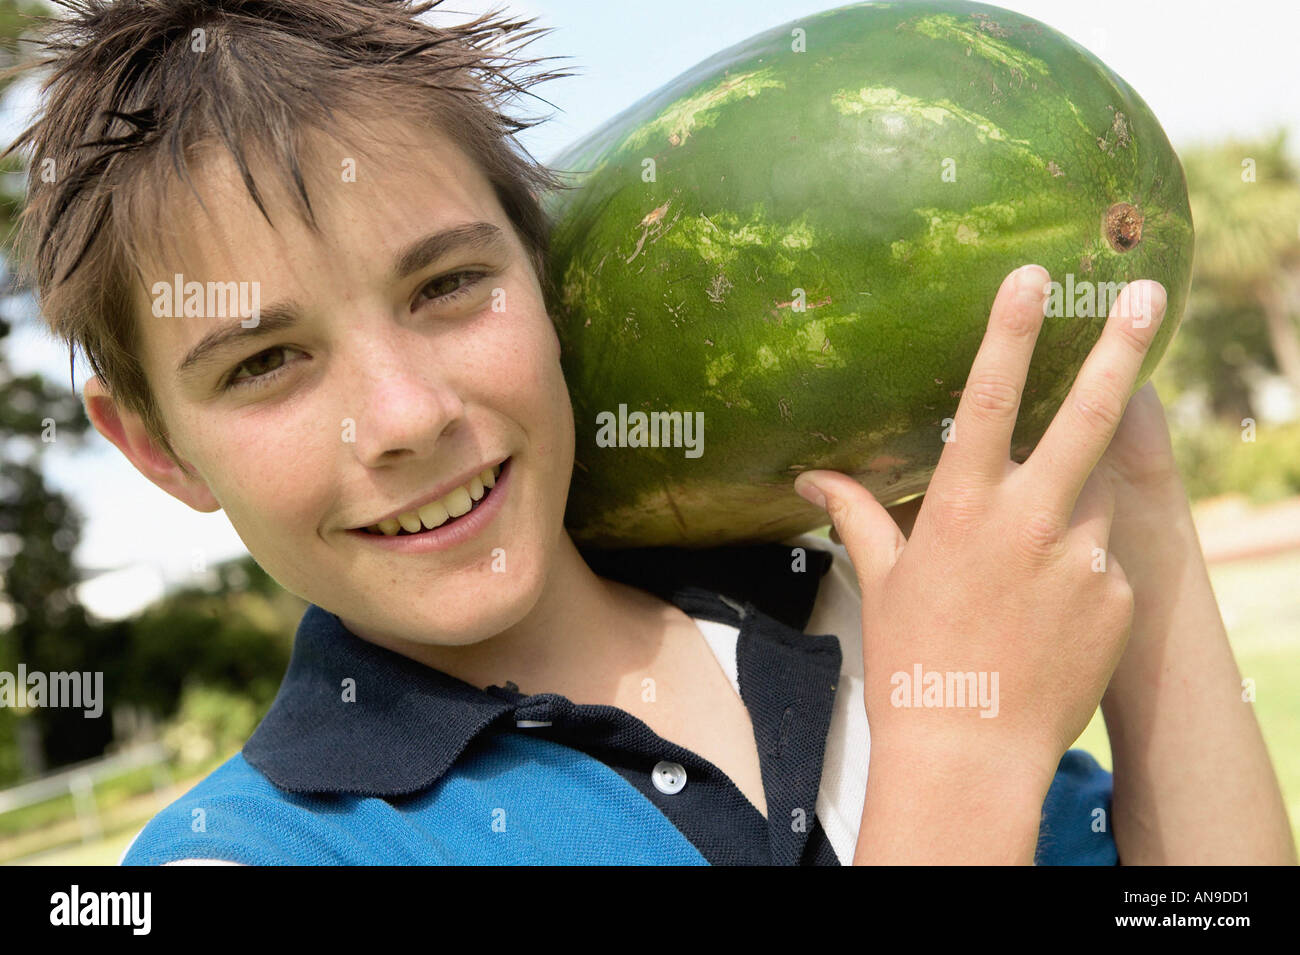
(107, 792)
(125, 802)
(105, 851)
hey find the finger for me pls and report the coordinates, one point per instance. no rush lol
(1093, 516)
(1083, 427)
(980, 446)
(867, 531)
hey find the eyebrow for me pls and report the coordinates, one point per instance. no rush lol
(282, 315)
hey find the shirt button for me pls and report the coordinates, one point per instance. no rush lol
(668, 777)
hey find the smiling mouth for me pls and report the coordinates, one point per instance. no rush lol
(453, 506)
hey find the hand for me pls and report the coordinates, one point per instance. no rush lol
(1140, 461)
(998, 577)
(1152, 535)
(1140, 458)
(1152, 529)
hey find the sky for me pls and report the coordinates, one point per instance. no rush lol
(1207, 70)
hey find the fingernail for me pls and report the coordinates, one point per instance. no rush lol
(810, 493)
(1158, 300)
(1147, 303)
(1031, 283)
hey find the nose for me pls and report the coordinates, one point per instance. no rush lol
(398, 397)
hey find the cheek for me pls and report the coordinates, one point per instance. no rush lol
(519, 365)
(270, 478)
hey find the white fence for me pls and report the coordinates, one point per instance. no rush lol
(80, 779)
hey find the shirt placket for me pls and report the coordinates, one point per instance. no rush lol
(787, 681)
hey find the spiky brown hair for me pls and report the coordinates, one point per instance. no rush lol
(134, 94)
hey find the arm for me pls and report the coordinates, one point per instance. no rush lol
(926, 806)
(1193, 782)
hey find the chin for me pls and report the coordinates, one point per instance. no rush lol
(471, 616)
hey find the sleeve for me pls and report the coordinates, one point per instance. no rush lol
(203, 862)
(1075, 828)
(238, 827)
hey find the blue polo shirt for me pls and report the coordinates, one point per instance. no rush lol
(367, 757)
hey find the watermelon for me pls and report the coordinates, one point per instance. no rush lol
(785, 259)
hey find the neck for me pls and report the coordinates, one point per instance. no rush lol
(581, 637)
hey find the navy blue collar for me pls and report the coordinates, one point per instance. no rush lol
(354, 717)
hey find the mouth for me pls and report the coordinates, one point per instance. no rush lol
(451, 510)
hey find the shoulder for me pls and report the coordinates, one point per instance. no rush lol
(237, 815)
(233, 815)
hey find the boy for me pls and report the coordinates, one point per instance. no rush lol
(466, 686)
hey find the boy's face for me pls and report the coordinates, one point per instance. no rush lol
(384, 390)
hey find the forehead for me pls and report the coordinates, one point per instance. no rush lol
(371, 196)
(368, 193)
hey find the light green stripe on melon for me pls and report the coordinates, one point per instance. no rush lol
(814, 340)
(804, 346)
(1078, 117)
(945, 26)
(719, 237)
(678, 121)
(716, 368)
(809, 345)
(886, 99)
(1102, 169)
(948, 229)
(945, 238)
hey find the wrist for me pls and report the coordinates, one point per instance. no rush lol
(1154, 537)
(1177, 626)
(1155, 505)
(939, 804)
(952, 760)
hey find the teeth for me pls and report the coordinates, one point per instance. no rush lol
(434, 515)
(455, 504)
(458, 502)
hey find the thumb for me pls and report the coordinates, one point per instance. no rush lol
(867, 530)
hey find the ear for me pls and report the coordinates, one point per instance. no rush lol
(126, 430)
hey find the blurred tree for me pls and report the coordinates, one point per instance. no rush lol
(13, 21)
(48, 630)
(1244, 312)
(233, 634)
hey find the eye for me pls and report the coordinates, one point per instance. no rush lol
(264, 367)
(467, 281)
